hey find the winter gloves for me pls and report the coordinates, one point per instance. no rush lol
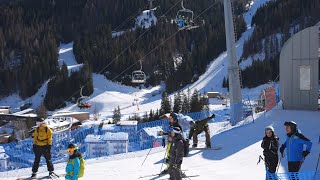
(305, 153)
(213, 116)
(283, 147)
(175, 166)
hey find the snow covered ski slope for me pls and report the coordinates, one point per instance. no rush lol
(236, 160)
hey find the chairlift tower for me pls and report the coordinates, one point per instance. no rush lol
(233, 68)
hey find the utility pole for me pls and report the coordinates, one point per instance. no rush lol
(233, 68)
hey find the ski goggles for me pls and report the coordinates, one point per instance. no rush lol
(70, 150)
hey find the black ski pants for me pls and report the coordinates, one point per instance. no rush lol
(42, 151)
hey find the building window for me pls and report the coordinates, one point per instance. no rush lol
(305, 78)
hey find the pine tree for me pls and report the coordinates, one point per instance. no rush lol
(185, 104)
(195, 104)
(165, 104)
(116, 115)
(177, 103)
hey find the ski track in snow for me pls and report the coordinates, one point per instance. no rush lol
(237, 159)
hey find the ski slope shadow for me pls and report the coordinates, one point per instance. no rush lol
(239, 138)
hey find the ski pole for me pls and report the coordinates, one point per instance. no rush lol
(315, 173)
(301, 162)
(146, 156)
(279, 164)
(165, 153)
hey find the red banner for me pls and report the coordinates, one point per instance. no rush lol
(156, 144)
(271, 100)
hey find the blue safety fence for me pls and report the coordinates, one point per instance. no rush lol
(306, 175)
(141, 136)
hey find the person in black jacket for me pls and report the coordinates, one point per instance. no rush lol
(176, 154)
(270, 145)
(173, 122)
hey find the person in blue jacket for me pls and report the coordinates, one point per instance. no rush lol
(295, 147)
(73, 166)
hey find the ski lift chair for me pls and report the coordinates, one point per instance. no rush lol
(138, 77)
(185, 23)
(80, 104)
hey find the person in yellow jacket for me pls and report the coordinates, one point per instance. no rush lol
(42, 142)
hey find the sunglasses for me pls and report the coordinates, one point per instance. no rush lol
(170, 117)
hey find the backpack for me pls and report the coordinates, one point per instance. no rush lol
(82, 163)
(186, 147)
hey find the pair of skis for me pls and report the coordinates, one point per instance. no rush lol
(159, 175)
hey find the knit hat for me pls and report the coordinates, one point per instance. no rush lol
(269, 128)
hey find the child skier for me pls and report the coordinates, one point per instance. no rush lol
(73, 167)
(174, 122)
(176, 154)
(270, 145)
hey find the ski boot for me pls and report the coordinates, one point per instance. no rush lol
(195, 145)
(208, 146)
(34, 176)
(164, 171)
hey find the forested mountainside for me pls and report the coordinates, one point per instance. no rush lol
(31, 31)
(274, 23)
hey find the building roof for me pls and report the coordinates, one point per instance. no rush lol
(128, 123)
(120, 136)
(110, 127)
(153, 131)
(115, 136)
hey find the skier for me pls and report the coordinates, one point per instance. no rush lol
(270, 146)
(295, 147)
(176, 154)
(173, 122)
(73, 168)
(197, 128)
(42, 147)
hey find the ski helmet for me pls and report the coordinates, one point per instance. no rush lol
(174, 116)
(73, 146)
(39, 119)
(291, 124)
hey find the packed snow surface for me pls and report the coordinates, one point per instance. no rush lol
(237, 159)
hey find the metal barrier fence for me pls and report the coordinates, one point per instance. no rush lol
(142, 136)
(307, 175)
